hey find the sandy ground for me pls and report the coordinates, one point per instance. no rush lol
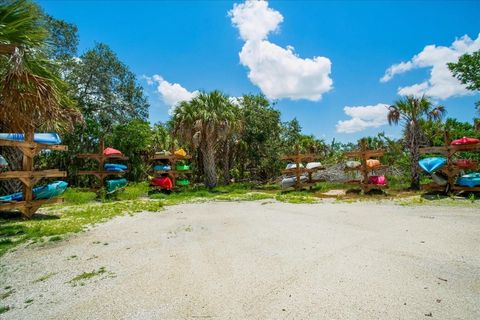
(257, 260)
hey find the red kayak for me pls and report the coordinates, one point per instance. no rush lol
(465, 140)
(466, 163)
(112, 152)
(379, 180)
(162, 182)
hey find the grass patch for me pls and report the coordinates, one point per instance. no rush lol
(133, 191)
(7, 293)
(296, 197)
(88, 275)
(43, 278)
(4, 309)
(77, 196)
(62, 220)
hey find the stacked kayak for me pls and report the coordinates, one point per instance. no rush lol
(115, 167)
(469, 180)
(378, 180)
(432, 164)
(43, 138)
(313, 165)
(352, 164)
(112, 152)
(465, 140)
(3, 162)
(116, 184)
(48, 191)
(183, 182)
(162, 167)
(288, 182)
(163, 182)
(373, 163)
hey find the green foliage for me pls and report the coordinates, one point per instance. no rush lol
(467, 70)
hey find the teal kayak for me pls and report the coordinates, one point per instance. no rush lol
(115, 184)
(48, 191)
(43, 138)
(432, 164)
(469, 180)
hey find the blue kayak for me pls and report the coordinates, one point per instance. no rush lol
(3, 162)
(43, 138)
(469, 180)
(48, 191)
(115, 167)
(162, 167)
(432, 164)
(115, 184)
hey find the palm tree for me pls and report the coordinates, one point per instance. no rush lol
(32, 94)
(206, 122)
(409, 111)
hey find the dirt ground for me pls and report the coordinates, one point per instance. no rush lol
(256, 260)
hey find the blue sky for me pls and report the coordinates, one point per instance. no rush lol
(195, 45)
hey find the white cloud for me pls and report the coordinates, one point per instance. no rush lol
(278, 72)
(441, 84)
(171, 93)
(363, 117)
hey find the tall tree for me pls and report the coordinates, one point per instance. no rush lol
(467, 70)
(409, 111)
(206, 122)
(105, 89)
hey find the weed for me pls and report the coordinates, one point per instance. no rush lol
(4, 309)
(7, 293)
(88, 275)
(43, 278)
(55, 238)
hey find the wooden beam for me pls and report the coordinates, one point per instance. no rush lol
(53, 173)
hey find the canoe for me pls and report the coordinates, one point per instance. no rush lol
(43, 138)
(112, 152)
(469, 180)
(313, 165)
(115, 184)
(373, 163)
(379, 180)
(465, 140)
(290, 181)
(432, 164)
(162, 167)
(115, 167)
(352, 164)
(48, 191)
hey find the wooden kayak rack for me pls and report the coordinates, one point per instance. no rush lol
(28, 176)
(363, 155)
(451, 170)
(298, 158)
(170, 160)
(101, 158)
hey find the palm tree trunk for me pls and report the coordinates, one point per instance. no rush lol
(209, 166)
(226, 163)
(414, 156)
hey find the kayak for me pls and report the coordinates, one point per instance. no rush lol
(43, 138)
(48, 191)
(180, 152)
(466, 163)
(439, 178)
(313, 165)
(352, 164)
(379, 180)
(183, 182)
(115, 167)
(373, 163)
(3, 162)
(465, 140)
(115, 184)
(182, 167)
(290, 181)
(112, 152)
(432, 164)
(162, 167)
(469, 180)
(163, 182)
